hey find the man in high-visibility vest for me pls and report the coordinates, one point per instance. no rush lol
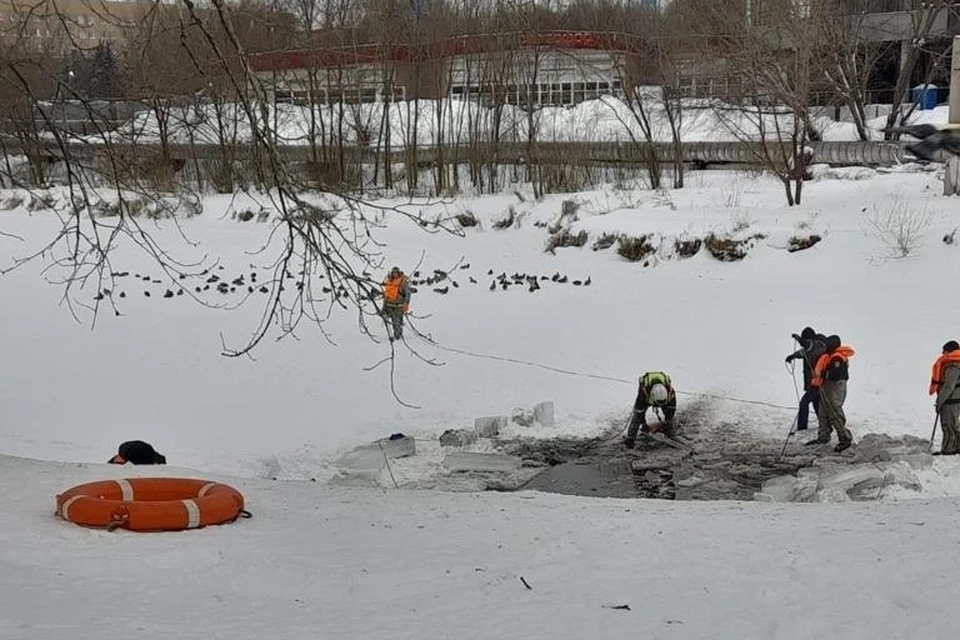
(830, 375)
(396, 301)
(945, 383)
(655, 390)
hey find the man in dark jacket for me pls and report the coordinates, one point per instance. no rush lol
(137, 452)
(811, 348)
(655, 390)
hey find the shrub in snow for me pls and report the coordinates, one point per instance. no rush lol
(566, 239)
(898, 226)
(568, 215)
(604, 242)
(741, 221)
(467, 219)
(687, 248)
(154, 209)
(800, 243)
(314, 215)
(557, 178)
(104, 209)
(39, 203)
(132, 207)
(11, 201)
(732, 193)
(727, 249)
(635, 249)
(507, 221)
(190, 205)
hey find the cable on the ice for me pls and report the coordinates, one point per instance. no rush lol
(594, 376)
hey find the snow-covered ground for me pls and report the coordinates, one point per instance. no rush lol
(321, 560)
(324, 562)
(453, 121)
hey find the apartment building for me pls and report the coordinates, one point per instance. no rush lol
(59, 26)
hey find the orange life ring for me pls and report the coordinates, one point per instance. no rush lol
(151, 504)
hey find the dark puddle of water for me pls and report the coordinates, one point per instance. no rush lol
(701, 469)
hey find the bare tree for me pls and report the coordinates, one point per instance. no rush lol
(323, 246)
(766, 52)
(926, 17)
(847, 58)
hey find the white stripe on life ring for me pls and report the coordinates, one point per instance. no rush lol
(65, 509)
(193, 514)
(126, 490)
(205, 488)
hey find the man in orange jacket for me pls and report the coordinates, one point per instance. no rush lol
(945, 383)
(830, 375)
(396, 301)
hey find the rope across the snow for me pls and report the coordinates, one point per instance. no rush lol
(594, 376)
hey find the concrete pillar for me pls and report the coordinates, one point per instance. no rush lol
(905, 47)
(951, 177)
(955, 83)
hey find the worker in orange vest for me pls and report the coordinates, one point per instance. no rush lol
(830, 375)
(945, 383)
(396, 301)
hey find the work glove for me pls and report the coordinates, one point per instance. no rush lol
(796, 337)
(790, 358)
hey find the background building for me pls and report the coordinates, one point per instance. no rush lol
(550, 68)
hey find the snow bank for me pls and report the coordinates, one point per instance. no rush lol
(451, 121)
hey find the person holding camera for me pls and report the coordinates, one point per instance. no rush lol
(812, 346)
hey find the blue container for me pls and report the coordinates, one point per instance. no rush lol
(926, 96)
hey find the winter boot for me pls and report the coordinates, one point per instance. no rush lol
(842, 446)
(629, 442)
(811, 443)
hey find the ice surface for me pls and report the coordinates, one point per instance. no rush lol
(473, 461)
(489, 427)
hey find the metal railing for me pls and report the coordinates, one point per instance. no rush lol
(876, 154)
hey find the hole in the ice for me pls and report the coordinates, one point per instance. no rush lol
(724, 462)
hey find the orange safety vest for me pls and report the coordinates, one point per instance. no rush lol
(936, 376)
(843, 352)
(391, 291)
